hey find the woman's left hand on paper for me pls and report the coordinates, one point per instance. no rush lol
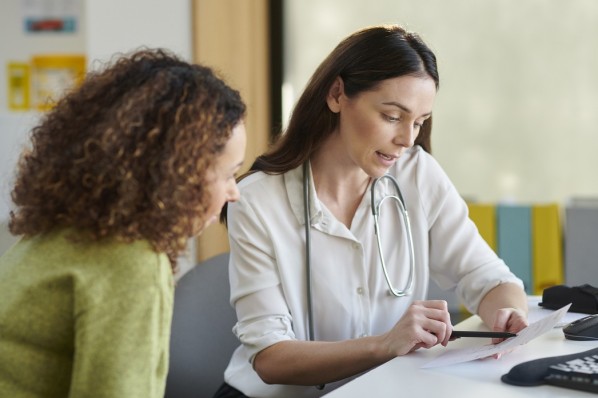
(508, 320)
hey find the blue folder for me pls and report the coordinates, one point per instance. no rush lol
(514, 240)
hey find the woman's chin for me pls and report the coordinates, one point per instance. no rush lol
(210, 221)
(199, 230)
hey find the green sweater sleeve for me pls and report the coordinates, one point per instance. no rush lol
(84, 319)
(122, 330)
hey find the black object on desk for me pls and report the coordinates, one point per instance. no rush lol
(585, 328)
(474, 333)
(577, 371)
(583, 298)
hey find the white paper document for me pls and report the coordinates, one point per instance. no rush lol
(524, 336)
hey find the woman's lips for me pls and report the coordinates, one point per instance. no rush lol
(387, 159)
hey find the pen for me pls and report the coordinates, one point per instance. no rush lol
(470, 333)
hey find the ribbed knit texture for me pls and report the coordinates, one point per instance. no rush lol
(84, 319)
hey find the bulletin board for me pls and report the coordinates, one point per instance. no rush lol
(45, 53)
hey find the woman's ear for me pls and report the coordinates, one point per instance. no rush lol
(334, 95)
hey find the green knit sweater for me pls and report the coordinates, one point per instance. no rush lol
(84, 320)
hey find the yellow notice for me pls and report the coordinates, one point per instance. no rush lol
(19, 81)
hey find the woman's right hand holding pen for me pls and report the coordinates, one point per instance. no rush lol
(424, 325)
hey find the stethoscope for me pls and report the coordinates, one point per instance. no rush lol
(376, 205)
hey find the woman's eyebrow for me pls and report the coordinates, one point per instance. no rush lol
(238, 165)
(404, 108)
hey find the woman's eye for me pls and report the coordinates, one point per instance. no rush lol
(392, 118)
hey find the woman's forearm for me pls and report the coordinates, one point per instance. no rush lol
(425, 324)
(319, 362)
(506, 295)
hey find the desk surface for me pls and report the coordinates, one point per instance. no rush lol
(481, 378)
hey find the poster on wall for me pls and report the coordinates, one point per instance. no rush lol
(18, 86)
(52, 75)
(51, 16)
(37, 85)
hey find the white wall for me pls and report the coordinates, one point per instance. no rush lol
(516, 115)
(115, 26)
(107, 27)
(16, 45)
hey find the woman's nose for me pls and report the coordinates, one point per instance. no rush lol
(233, 194)
(405, 136)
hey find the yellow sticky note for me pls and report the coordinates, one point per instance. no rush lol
(19, 82)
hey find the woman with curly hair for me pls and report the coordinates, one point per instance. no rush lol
(120, 174)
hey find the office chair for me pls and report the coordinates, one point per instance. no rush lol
(202, 340)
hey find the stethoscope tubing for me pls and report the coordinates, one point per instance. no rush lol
(376, 208)
(398, 198)
(400, 202)
(307, 217)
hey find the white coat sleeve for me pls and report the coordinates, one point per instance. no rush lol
(262, 312)
(459, 257)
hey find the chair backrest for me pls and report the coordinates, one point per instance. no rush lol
(202, 340)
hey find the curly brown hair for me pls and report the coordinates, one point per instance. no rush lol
(127, 153)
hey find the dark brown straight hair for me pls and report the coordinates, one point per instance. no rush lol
(362, 60)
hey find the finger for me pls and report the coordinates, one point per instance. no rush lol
(432, 321)
(500, 324)
(447, 337)
(439, 313)
(442, 324)
(416, 347)
(501, 320)
(437, 304)
(517, 321)
(500, 354)
(441, 331)
(509, 320)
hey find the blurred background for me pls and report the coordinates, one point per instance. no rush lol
(514, 122)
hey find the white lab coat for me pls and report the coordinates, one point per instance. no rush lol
(350, 295)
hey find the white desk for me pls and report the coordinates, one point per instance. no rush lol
(403, 376)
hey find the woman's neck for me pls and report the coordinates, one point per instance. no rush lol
(339, 182)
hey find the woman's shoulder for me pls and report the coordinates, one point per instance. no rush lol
(111, 257)
(126, 269)
(258, 179)
(419, 169)
(104, 265)
(269, 193)
(261, 184)
(418, 154)
(420, 162)
(256, 191)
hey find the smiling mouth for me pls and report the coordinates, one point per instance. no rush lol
(387, 157)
